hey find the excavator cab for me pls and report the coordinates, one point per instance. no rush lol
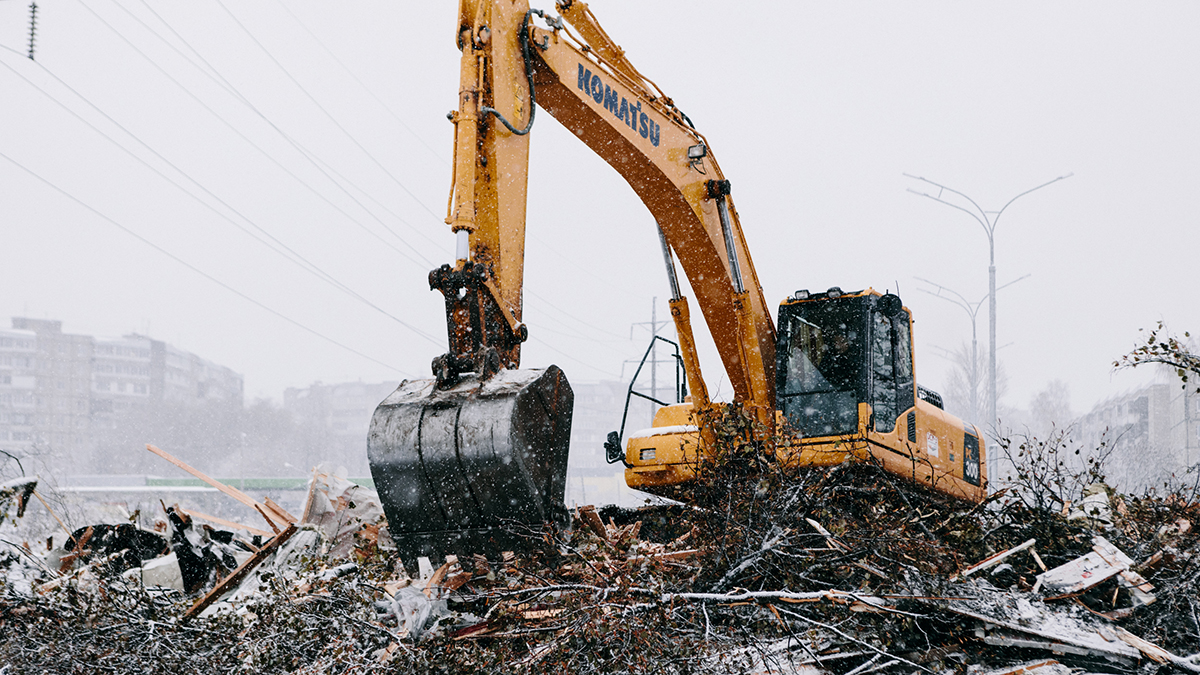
(838, 351)
(845, 386)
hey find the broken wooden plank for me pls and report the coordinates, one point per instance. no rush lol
(829, 538)
(238, 574)
(227, 523)
(263, 512)
(306, 513)
(592, 520)
(1154, 652)
(227, 489)
(1139, 588)
(1103, 562)
(995, 559)
(669, 555)
(1046, 629)
(871, 569)
(1046, 667)
(1038, 559)
(279, 510)
(51, 512)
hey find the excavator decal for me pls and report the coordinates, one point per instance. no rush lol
(627, 112)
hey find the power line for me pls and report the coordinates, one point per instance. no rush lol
(572, 358)
(294, 257)
(215, 75)
(571, 316)
(362, 84)
(326, 112)
(195, 269)
(345, 132)
(303, 151)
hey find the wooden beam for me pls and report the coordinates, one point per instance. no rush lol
(263, 511)
(227, 489)
(228, 523)
(592, 520)
(238, 574)
(279, 511)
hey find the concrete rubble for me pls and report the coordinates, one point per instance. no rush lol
(840, 570)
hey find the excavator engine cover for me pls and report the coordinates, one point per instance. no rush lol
(465, 469)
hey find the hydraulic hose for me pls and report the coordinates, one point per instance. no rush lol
(485, 110)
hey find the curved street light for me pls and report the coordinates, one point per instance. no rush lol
(972, 310)
(988, 221)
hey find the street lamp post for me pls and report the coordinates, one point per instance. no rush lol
(972, 310)
(988, 221)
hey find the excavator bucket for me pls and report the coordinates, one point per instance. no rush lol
(465, 469)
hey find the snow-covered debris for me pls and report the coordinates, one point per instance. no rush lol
(840, 570)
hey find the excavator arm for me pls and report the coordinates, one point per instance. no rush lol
(509, 68)
(482, 444)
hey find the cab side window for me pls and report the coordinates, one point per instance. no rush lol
(883, 373)
(905, 391)
(892, 389)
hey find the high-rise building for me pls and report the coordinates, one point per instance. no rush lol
(62, 386)
(134, 371)
(18, 407)
(57, 389)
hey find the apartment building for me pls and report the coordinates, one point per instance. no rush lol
(57, 389)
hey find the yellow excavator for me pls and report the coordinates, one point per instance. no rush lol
(467, 459)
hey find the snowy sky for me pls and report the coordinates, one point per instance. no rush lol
(321, 127)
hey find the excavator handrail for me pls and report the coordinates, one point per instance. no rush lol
(680, 387)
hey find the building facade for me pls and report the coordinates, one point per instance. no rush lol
(18, 407)
(135, 371)
(58, 389)
(1152, 434)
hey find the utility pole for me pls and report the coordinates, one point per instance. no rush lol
(32, 27)
(653, 324)
(988, 221)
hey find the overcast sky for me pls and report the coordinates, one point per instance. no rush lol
(321, 127)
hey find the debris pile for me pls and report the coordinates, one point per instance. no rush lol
(843, 569)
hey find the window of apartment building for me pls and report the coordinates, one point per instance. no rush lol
(3, 435)
(20, 436)
(5, 379)
(139, 388)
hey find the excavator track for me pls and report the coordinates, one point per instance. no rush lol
(473, 468)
